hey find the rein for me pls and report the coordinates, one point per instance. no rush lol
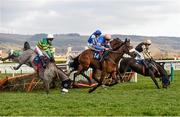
(117, 51)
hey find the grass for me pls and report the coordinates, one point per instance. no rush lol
(141, 98)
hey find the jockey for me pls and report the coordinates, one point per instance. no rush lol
(143, 52)
(92, 40)
(103, 44)
(44, 48)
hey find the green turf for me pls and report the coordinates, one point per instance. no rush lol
(140, 98)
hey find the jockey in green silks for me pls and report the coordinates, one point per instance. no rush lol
(44, 48)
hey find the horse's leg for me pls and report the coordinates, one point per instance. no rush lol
(68, 74)
(87, 77)
(44, 77)
(46, 84)
(17, 67)
(103, 74)
(153, 78)
(8, 57)
(20, 64)
(94, 75)
(115, 79)
(80, 69)
(53, 83)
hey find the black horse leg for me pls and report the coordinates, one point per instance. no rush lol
(153, 78)
(87, 77)
(94, 88)
(100, 82)
(74, 78)
(94, 75)
(17, 67)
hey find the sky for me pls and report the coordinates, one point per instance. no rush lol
(132, 17)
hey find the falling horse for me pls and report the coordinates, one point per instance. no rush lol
(30, 58)
(156, 70)
(108, 66)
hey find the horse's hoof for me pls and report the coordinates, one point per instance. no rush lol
(90, 91)
(64, 90)
(63, 93)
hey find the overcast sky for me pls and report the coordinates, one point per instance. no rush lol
(133, 17)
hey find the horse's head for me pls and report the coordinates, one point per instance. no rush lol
(126, 46)
(166, 81)
(26, 46)
(116, 43)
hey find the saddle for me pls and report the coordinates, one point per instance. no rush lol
(38, 61)
(101, 55)
(98, 55)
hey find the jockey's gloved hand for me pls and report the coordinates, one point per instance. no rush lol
(52, 59)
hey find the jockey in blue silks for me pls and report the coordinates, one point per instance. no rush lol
(102, 45)
(92, 40)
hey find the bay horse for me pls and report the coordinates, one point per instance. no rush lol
(108, 66)
(88, 54)
(30, 57)
(155, 71)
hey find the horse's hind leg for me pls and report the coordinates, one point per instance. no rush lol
(45, 81)
(114, 77)
(46, 84)
(80, 69)
(87, 77)
(94, 75)
(153, 78)
(99, 83)
(17, 67)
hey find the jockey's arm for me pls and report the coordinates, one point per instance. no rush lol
(92, 41)
(147, 54)
(42, 45)
(99, 47)
(49, 53)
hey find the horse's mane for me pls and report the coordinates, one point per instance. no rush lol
(116, 43)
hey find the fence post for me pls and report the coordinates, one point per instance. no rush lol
(172, 72)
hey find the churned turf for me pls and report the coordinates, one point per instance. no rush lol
(141, 98)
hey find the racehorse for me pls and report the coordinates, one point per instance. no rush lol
(108, 66)
(156, 70)
(31, 58)
(88, 56)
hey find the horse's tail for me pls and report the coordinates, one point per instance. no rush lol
(26, 46)
(73, 62)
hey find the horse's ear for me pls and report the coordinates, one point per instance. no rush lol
(126, 40)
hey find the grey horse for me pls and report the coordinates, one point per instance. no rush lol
(46, 74)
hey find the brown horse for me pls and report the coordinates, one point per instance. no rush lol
(108, 66)
(87, 55)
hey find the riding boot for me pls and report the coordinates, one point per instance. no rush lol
(42, 61)
(102, 55)
(52, 59)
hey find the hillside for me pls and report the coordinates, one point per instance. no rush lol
(167, 45)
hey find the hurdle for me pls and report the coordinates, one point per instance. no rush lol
(26, 82)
